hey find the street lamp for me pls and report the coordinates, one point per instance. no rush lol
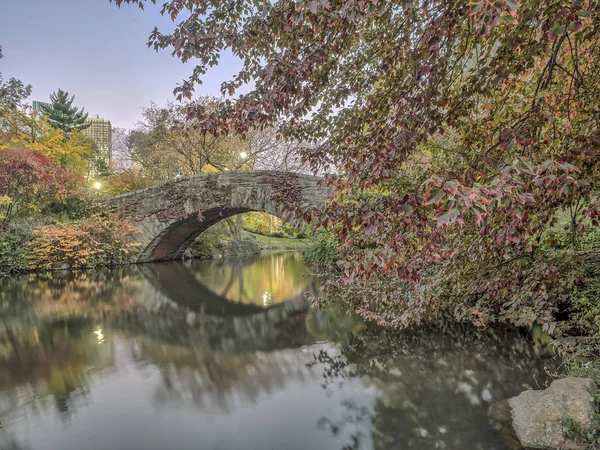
(244, 155)
(97, 185)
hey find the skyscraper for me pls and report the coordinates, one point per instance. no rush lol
(37, 106)
(100, 131)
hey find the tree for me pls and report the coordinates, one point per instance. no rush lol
(170, 143)
(120, 149)
(174, 144)
(26, 129)
(29, 181)
(72, 152)
(457, 130)
(12, 92)
(62, 114)
(127, 181)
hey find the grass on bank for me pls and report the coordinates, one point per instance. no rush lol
(288, 243)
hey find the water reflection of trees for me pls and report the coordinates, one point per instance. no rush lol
(265, 280)
(435, 386)
(430, 384)
(220, 381)
(49, 341)
(50, 360)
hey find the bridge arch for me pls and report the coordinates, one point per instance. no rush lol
(168, 217)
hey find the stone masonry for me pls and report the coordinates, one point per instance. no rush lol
(168, 217)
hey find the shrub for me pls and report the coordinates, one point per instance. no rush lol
(13, 249)
(288, 230)
(584, 308)
(29, 181)
(73, 207)
(324, 251)
(99, 240)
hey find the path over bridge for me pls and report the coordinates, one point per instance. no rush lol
(168, 217)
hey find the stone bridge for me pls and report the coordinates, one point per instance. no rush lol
(168, 217)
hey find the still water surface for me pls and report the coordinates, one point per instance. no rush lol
(227, 354)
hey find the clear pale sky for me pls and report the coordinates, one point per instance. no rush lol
(98, 53)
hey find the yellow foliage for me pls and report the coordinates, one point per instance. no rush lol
(209, 168)
(5, 200)
(70, 152)
(32, 131)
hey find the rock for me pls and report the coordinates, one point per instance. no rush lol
(501, 420)
(242, 248)
(537, 416)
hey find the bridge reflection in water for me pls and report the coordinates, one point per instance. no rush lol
(118, 354)
(191, 356)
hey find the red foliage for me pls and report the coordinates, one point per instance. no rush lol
(30, 180)
(460, 128)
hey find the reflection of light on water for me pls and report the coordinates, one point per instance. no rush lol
(267, 299)
(99, 335)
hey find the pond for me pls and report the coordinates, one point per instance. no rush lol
(227, 354)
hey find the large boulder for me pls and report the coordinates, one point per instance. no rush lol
(537, 416)
(239, 247)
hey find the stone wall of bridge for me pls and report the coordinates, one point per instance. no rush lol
(168, 217)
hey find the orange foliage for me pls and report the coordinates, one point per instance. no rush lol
(128, 181)
(100, 240)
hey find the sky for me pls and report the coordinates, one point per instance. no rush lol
(98, 53)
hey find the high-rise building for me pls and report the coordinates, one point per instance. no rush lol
(100, 131)
(37, 106)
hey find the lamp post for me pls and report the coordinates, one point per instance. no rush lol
(97, 186)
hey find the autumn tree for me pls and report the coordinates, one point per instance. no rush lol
(378, 87)
(28, 181)
(12, 95)
(23, 128)
(62, 114)
(12, 92)
(127, 181)
(168, 142)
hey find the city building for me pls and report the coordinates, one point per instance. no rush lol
(37, 106)
(100, 131)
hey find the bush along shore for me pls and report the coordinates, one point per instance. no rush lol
(564, 413)
(100, 240)
(77, 233)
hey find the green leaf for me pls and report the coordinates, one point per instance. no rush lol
(557, 30)
(513, 5)
(476, 7)
(584, 14)
(435, 196)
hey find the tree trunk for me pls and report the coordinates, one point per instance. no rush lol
(234, 228)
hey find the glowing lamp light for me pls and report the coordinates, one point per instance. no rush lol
(244, 155)
(99, 335)
(97, 185)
